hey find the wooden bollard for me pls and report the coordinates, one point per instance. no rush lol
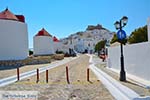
(18, 74)
(47, 76)
(37, 75)
(88, 71)
(67, 75)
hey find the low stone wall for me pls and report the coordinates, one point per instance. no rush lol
(28, 61)
(31, 61)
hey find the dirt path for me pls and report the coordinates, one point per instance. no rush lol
(58, 89)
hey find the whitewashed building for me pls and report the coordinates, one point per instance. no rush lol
(85, 45)
(43, 43)
(148, 28)
(86, 41)
(64, 45)
(79, 46)
(57, 45)
(13, 36)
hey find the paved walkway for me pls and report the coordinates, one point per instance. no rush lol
(132, 85)
(58, 89)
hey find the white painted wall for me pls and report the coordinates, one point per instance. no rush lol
(136, 59)
(43, 45)
(148, 28)
(58, 46)
(13, 40)
(65, 48)
(80, 47)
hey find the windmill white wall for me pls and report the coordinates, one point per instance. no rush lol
(43, 45)
(13, 40)
(58, 46)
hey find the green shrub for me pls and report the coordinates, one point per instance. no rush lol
(30, 52)
(59, 52)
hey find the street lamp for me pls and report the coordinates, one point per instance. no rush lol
(121, 37)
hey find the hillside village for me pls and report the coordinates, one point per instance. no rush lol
(82, 42)
(85, 41)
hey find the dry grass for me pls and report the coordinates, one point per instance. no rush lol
(58, 56)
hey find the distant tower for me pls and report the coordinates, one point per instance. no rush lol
(57, 45)
(13, 36)
(148, 29)
(43, 43)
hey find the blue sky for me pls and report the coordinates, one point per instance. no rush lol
(64, 17)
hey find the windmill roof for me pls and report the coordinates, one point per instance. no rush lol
(55, 39)
(6, 14)
(43, 32)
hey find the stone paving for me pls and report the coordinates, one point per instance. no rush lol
(58, 89)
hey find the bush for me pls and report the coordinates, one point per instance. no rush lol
(67, 54)
(139, 35)
(30, 52)
(59, 52)
(100, 45)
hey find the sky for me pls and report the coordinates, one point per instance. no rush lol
(64, 17)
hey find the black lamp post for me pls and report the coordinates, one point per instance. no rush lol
(119, 25)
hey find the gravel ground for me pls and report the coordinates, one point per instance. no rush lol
(138, 89)
(11, 72)
(58, 89)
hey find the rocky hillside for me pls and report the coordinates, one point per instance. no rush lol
(96, 33)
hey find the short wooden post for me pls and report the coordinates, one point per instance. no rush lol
(88, 71)
(18, 74)
(37, 75)
(67, 75)
(46, 76)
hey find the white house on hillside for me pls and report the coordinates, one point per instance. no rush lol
(86, 41)
(43, 43)
(85, 45)
(13, 36)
